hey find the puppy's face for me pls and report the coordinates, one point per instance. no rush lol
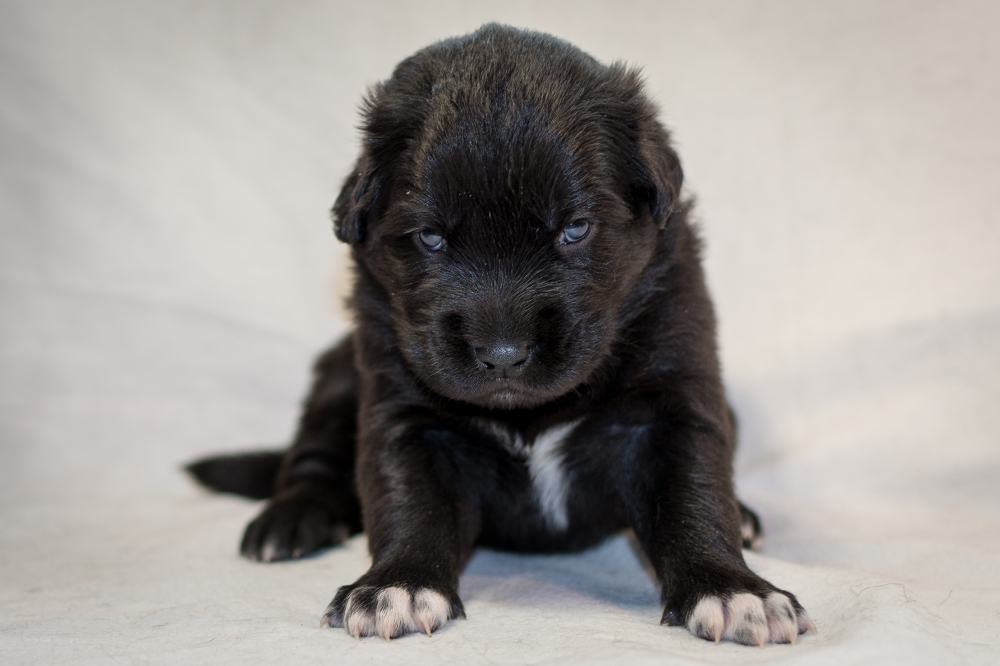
(505, 235)
(505, 283)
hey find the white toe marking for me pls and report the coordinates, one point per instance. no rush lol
(748, 535)
(781, 619)
(805, 623)
(357, 622)
(393, 616)
(746, 618)
(430, 610)
(708, 620)
(746, 622)
(545, 463)
(397, 612)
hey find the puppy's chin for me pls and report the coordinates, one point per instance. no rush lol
(505, 396)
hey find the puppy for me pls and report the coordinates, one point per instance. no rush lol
(534, 365)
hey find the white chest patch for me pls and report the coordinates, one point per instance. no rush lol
(548, 474)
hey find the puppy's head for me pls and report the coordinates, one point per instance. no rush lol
(509, 194)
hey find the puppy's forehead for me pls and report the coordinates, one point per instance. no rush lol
(506, 153)
(506, 128)
(500, 170)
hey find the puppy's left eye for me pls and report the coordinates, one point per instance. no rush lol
(431, 240)
(575, 231)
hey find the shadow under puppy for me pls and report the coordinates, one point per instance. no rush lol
(534, 363)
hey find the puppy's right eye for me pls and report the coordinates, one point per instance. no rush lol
(575, 232)
(431, 240)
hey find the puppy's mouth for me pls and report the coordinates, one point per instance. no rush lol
(511, 394)
(503, 394)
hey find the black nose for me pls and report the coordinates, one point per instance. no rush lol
(502, 359)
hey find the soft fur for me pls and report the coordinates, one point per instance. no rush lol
(534, 365)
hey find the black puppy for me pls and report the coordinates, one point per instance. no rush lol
(534, 366)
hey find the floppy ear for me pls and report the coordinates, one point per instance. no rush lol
(652, 167)
(355, 203)
(657, 170)
(390, 117)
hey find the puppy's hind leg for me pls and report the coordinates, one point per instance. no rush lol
(750, 530)
(314, 503)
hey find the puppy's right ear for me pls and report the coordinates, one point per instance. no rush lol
(355, 204)
(392, 113)
(386, 130)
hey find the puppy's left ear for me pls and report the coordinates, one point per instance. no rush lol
(652, 165)
(658, 173)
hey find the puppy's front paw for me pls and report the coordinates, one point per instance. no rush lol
(749, 619)
(389, 611)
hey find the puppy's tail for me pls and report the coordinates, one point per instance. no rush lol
(248, 474)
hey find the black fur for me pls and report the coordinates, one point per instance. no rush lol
(420, 426)
(248, 474)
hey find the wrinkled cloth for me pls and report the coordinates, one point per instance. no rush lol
(167, 273)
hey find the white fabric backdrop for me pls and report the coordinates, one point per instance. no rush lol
(167, 272)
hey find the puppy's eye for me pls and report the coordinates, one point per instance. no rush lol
(431, 240)
(575, 232)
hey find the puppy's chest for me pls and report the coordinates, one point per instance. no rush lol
(544, 456)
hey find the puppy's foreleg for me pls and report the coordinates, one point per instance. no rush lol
(421, 526)
(688, 521)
